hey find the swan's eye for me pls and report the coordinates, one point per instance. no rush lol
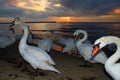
(81, 35)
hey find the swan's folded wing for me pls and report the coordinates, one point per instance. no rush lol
(45, 44)
(39, 54)
(63, 40)
(85, 50)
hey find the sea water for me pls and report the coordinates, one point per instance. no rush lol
(94, 29)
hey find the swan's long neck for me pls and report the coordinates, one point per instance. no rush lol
(115, 57)
(80, 41)
(23, 41)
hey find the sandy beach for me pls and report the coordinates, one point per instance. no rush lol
(14, 67)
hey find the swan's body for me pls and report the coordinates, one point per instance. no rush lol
(37, 57)
(85, 49)
(45, 44)
(69, 44)
(6, 39)
(111, 65)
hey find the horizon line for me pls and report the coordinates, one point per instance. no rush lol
(60, 22)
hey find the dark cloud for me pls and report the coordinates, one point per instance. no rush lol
(68, 8)
(8, 9)
(10, 12)
(91, 7)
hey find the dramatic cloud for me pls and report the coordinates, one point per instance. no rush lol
(60, 8)
(37, 5)
(29, 8)
(91, 7)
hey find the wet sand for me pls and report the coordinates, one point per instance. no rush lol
(13, 67)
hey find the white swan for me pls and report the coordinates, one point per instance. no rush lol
(69, 44)
(85, 49)
(45, 44)
(111, 65)
(18, 22)
(37, 57)
(6, 40)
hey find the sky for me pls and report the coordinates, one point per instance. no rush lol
(61, 10)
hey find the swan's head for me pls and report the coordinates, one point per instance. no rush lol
(77, 35)
(98, 45)
(15, 22)
(18, 21)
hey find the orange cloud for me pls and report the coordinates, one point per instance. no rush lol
(117, 11)
(66, 19)
(73, 19)
(57, 5)
(104, 18)
(38, 5)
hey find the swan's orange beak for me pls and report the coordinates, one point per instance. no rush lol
(57, 48)
(95, 51)
(75, 38)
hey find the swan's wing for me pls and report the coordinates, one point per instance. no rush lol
(85, 51)
(45, 44)
(46, 66)
(101, 57)
(3, 39)
(39, 54)
(49, 45)
(69, 44)
(6, 41)
(42, 45)
(69, 47)
(62, 40)
(10, 41)
(87, 42)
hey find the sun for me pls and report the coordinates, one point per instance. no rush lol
(66, 19)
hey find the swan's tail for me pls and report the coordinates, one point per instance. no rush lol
(54, 69)
(49, 66)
